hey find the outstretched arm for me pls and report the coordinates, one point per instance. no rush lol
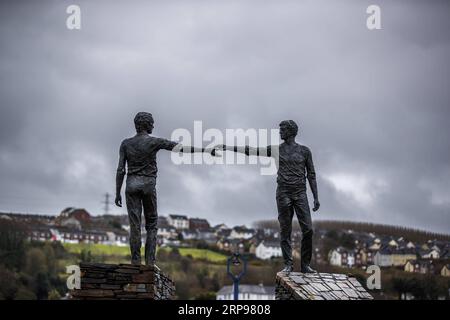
(178, 147)
(311, 175)
(250, 151)
(120, 175)
(190, 149)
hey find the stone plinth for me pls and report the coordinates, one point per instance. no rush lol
(122, 281)
(318, 286)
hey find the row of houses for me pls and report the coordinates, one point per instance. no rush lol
(428, 266)
(430, 257)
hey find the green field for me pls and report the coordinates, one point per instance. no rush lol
(109, 250)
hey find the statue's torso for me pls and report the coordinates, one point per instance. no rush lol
(292, 166)
(140, 154)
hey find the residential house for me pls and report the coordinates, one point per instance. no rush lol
(167, 232)
(445, 271)
(342, 257)
(30, 218)
(207, 235)
(393, 257)
(118, 238)
(432, 253)
(242, 232)
(268, 249)
(231, 245)
(198, 224)
(189, 235)
(179, 222)
(75, 213)
(360, 257)
(335, 257)
(40, 232)
(424, 266)
(247, 292)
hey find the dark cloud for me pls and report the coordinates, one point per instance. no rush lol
(372, 105)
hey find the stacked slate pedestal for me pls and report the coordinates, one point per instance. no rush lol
(123, 282)
(318, 286)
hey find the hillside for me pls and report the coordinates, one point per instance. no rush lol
(411, 234)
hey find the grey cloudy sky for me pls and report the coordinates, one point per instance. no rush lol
(372, 105)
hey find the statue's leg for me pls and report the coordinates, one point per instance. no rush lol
(285, 215)
(133, 193)
(151, 222)
(304, 218)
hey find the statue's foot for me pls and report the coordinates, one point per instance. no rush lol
(287, 269)
(152, 263)
(307, 269)
(136, 262)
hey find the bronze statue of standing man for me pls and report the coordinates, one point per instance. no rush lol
(295, 166)
(138, 154)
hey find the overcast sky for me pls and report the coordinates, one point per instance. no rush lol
(373, 106)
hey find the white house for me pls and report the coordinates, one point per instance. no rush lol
(342, 257)
(383, 259)
(430, 254)
(335, 258)
(266, 250)
(167, 232)
(242, 232)
(178, 222)
(189, 235)
(247, 292)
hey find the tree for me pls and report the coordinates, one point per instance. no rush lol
(8, 284)
(86, 255)
(41, 286)
(50, 258)
(25, 294)
(36, 262)
(401, 286)
(12, 243)
(54, 295)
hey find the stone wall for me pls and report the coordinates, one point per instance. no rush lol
(123, 281)
(318, 286)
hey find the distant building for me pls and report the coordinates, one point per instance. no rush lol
(231, 245)
(341, 257)
(430, 254)
(40, 233)
(198, 224)
(167, 232)
(428, 266)
(189, 235)
(445, 271)
(335, 258)
(242, 232)
(29, 218)
(392, 257)
(179, 222)
(221, 226)
(207, 235)
(76, 213)
(247, 292)
(118, 238)
(268, 249)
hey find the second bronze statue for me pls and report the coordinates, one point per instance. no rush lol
(137, 159)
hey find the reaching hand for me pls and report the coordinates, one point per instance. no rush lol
(118, 200)
(316, 205)
(214, 149)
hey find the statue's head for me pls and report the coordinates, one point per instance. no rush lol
(288, 128)
(143, 121)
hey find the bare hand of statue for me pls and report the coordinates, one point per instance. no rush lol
(214, 149)
(316, 205)
(118, 200)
